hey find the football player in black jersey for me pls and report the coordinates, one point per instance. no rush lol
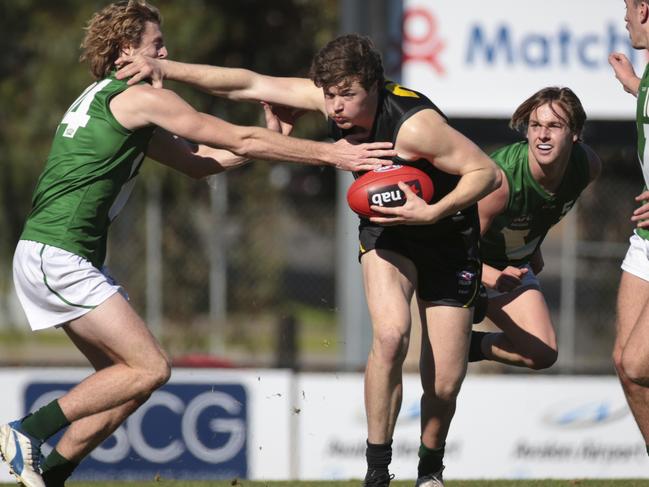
(435, 255)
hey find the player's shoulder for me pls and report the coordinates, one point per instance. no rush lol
(423, 119)
(422, 127)
(143, 94)
(399, 91)
(510, 155)
(591, 159)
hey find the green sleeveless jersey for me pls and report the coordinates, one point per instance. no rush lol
(642, 124)
(88, 176)
(516, 233)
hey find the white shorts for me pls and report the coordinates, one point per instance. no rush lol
(529, 279)
(636, 260)
(55, 286)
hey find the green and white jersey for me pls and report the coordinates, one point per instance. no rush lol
(516, 233)
(642, 123)
(88, 176)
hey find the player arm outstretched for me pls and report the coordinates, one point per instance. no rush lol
(624, 72)
(193, 160)
(200, 161)
(232, 83)
(142, 105)
(427, 135)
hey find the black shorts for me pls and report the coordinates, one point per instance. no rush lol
(448, 265)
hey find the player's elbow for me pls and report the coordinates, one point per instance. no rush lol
(197, 174)
(242, 141)
(495, 177)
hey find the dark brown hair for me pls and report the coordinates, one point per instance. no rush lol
(115, 26)
(552, 95)
(345, 59)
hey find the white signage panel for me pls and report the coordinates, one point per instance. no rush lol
(504, 428)
(312, 426)
(482, 59)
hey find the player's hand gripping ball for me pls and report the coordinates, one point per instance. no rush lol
(379, 187)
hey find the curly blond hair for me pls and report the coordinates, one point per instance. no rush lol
(115, 26)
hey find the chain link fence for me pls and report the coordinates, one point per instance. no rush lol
(244, 269)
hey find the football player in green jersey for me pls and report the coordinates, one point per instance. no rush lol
(631, 350)
(542, 178)
(435, 256)
(96, 153)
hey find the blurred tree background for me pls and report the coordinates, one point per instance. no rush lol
(271, 233)
(40, 76)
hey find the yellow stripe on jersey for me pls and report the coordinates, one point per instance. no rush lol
(399, 90)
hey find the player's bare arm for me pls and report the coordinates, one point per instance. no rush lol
(233, 83)
(200, 161)
(641, 214)
(193, 160)
(427, 135)
(493, 204)
(489, 207)
(279, 118)
(624, 72)
(143, 105)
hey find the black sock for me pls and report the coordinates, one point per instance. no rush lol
(475, 348)
(378, 456)
(57, 469)
(430, 460)
(45, 422)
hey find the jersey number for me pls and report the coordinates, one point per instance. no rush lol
(77, 115)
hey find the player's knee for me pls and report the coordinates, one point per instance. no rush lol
(391, 346)
(157, 374)
(635, 369)
(543, 359)
(162, 372)
(443, 391)
(617, 361)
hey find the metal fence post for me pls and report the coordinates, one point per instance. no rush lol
(154, 311)
(567, 309)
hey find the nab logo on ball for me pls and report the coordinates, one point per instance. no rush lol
(380, 188)
(392, 195)
(184, 431)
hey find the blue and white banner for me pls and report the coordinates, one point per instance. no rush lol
(188, 431)
(204, 424)
(275, 425)
(482, 59)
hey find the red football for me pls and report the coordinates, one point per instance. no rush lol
(379, 187)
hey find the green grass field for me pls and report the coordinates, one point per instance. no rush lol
(449, 483)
